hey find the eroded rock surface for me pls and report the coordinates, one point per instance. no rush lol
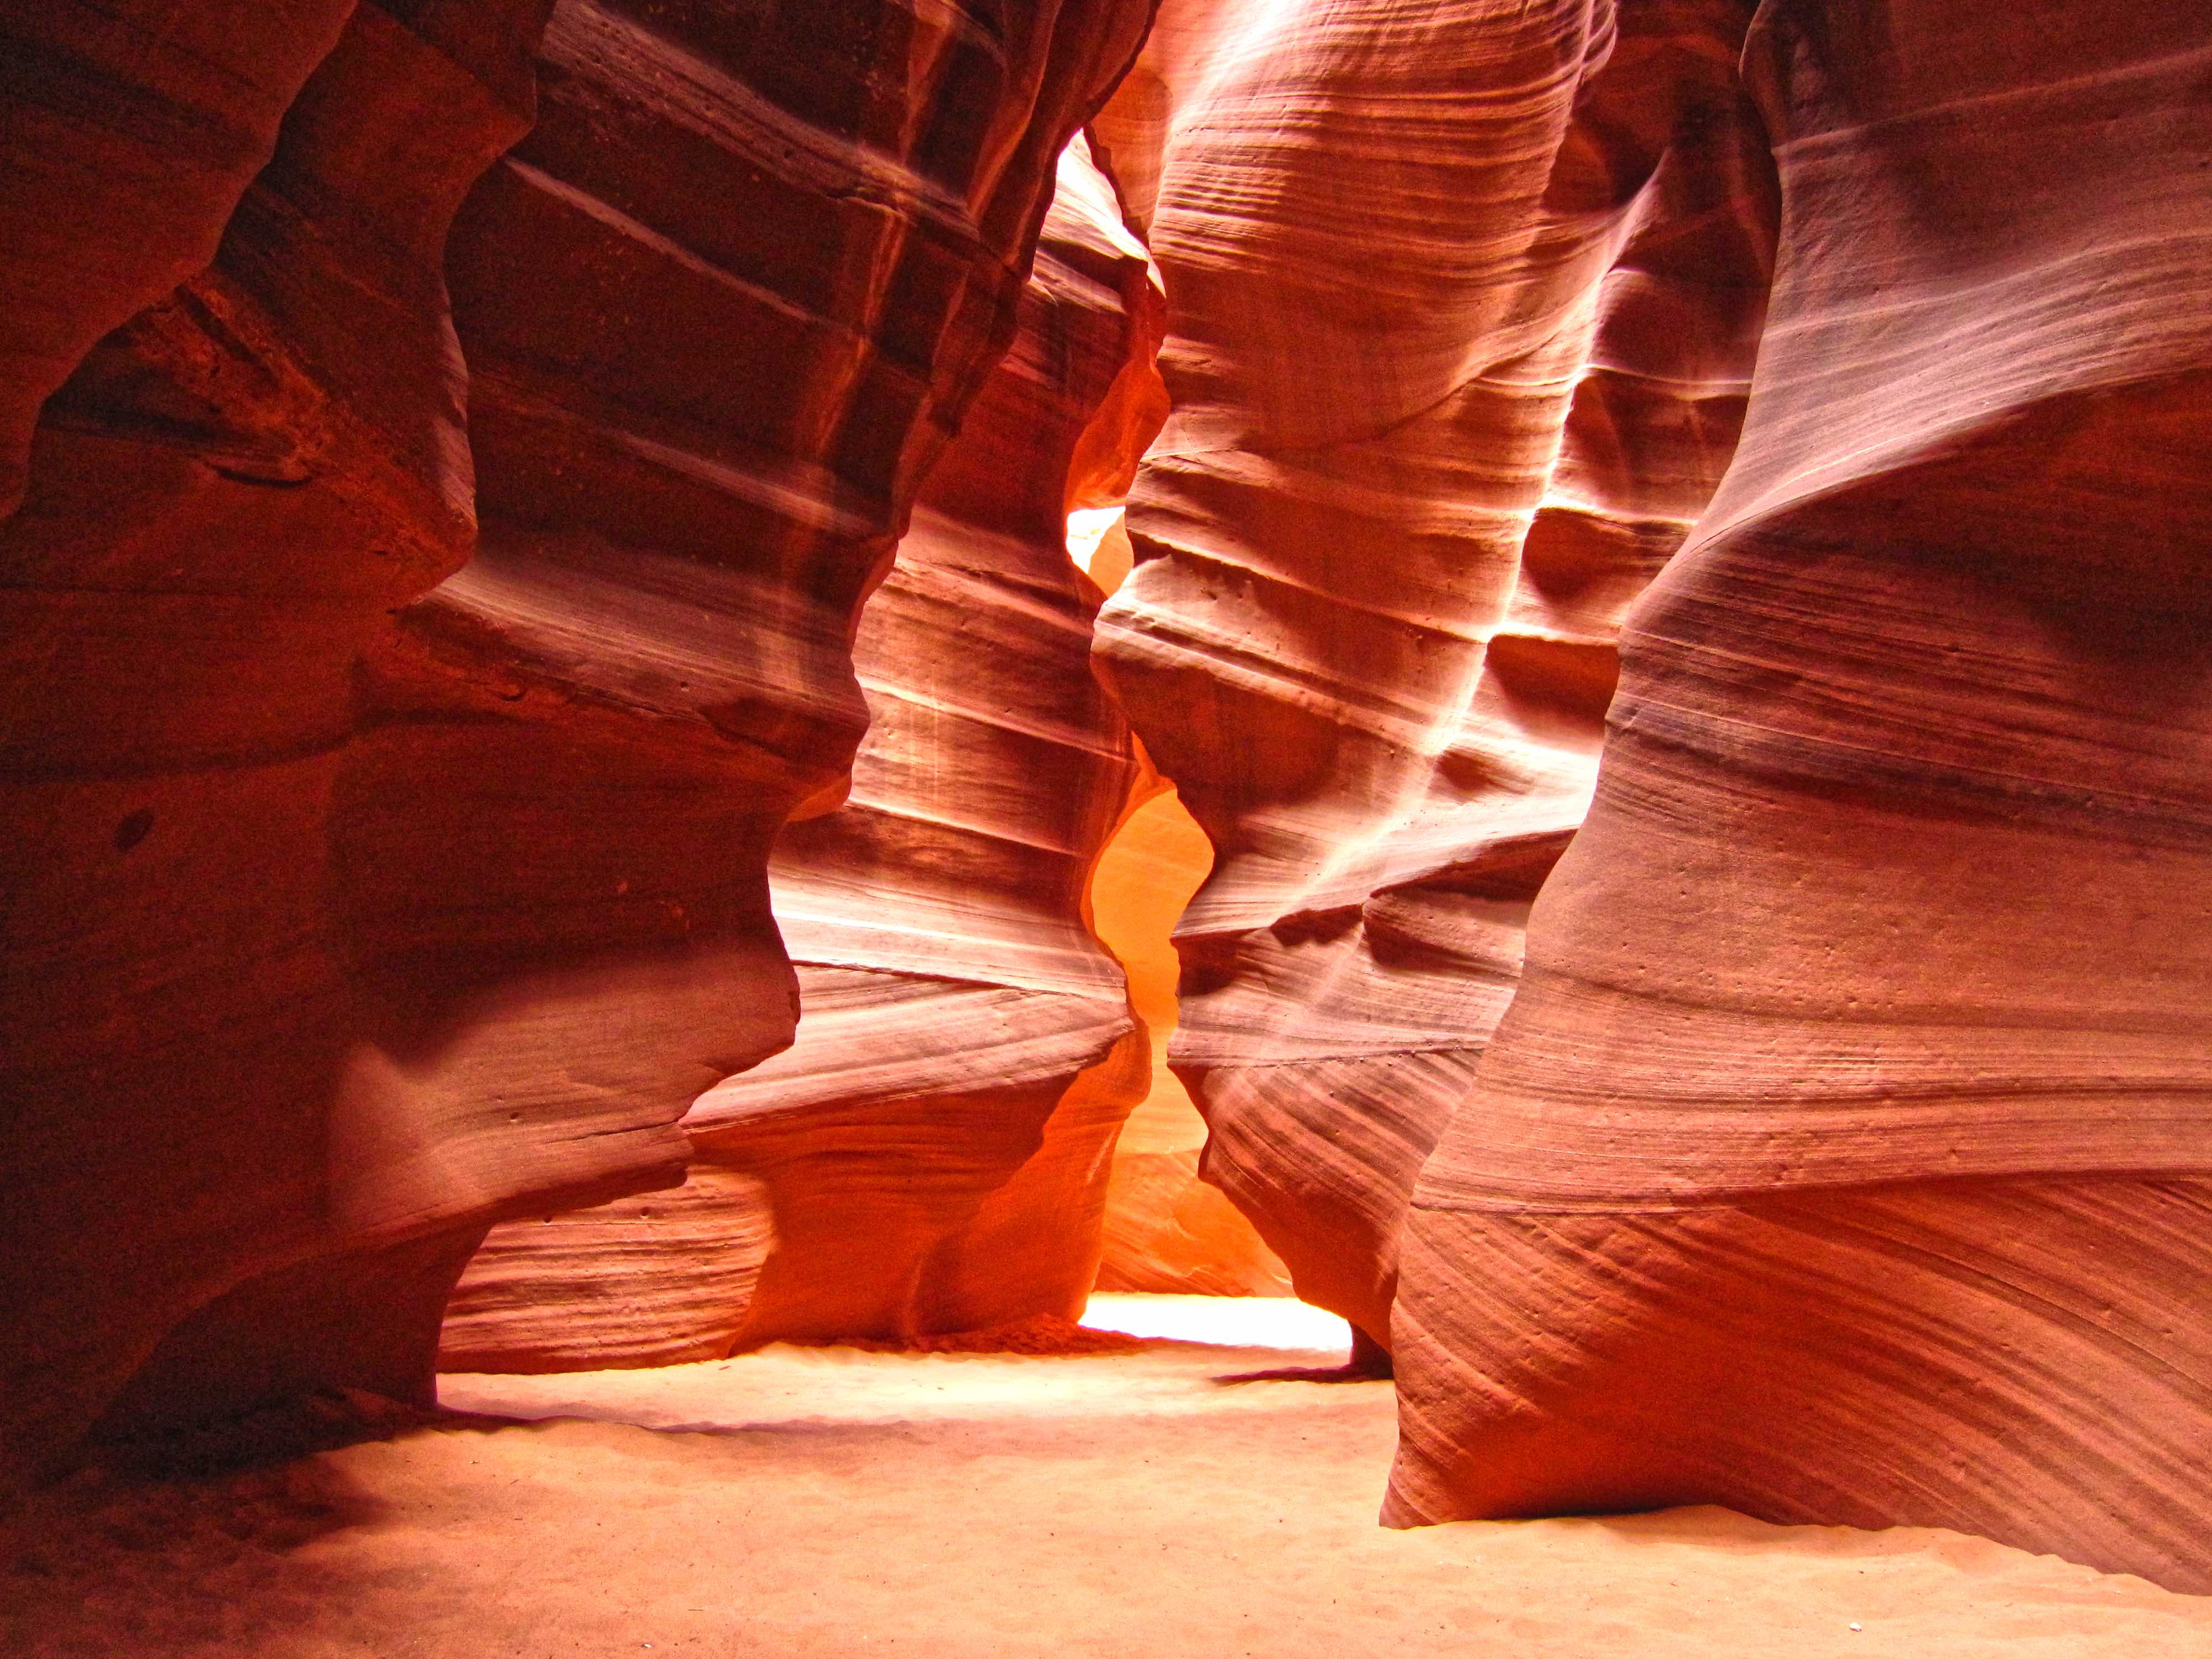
(1463, 298)
(930, 1154)
(1842, 1156)
(133, 132)
(364, 895)
(229, 495)
(436, 550)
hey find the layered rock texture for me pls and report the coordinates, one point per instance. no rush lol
(1463, 299)
(376, 880)
(1682, 516)
(930, 1155)
(228, 495)
(1835, 1161)
(1842, 1157)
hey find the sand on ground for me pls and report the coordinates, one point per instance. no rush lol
(827, 1501)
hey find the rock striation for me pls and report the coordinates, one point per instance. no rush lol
(1844, 1155)
(406, 689)
(132, 135)
(1670, 591)
(225, 498)
(1463, 301)
(930, 1154)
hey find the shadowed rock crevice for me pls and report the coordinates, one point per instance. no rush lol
(930, 1154)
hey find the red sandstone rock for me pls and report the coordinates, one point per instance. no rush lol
(346, 922)
(658, 1280)
(1462, 300)
(132, 129)
(1840, 1158)
(227, 498)
(933, 1147)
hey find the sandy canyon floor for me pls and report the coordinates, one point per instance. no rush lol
(1149, 1502)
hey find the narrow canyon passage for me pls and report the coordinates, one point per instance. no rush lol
(1304, 827)
(1147, 1500)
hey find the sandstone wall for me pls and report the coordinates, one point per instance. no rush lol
(1463, 298)
(1168, 1229)
(929, 1155)
(365, 895)
(448, 443)
(1842, 1157)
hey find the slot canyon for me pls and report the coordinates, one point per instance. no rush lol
(1106, 826)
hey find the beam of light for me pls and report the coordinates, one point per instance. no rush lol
(1230, 1321)
(1086, 528)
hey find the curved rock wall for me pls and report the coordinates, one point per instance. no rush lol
(1463, 298)
(929, 1155)
(228, 495)
(355, 908)
(1842, 1156)
(406, 690)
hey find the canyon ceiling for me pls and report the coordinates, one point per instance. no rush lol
(568, 806)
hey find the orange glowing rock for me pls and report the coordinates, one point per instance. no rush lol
(930, 1154)
(1460, 319)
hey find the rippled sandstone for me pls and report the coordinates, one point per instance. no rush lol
(930, 1154)
(405, 696)
(1841, 1155)
(1463, 299)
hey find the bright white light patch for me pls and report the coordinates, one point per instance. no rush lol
(1228, 1321)
(1086, 528)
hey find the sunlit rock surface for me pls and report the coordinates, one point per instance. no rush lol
(1167, 1228)
(1841, 1156)
(931, 1154)
(354, 903)
(1463, 298)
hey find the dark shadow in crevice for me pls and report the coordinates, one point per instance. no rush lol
(1346, 1373)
